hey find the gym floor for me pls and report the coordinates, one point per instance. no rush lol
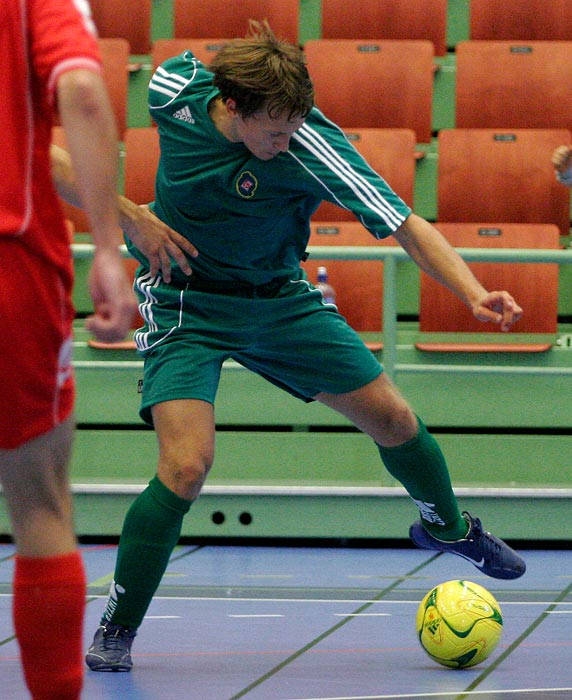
(310, 623)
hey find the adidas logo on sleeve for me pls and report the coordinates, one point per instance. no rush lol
(184, 114)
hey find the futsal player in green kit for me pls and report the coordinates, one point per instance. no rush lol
(245, 160)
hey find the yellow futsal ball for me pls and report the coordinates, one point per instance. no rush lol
(459, 623)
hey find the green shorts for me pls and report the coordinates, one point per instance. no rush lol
(282, 331)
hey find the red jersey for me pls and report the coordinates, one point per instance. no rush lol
(41, 39)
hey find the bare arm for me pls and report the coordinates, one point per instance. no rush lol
(89, 124)
(92, 141)
(158, 242)
(435, 256)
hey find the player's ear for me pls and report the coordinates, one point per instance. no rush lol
(231, 106)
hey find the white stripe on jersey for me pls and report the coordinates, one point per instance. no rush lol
(316, 144)
(170, 84)
(29, 133)
(162, 75)
(145, 284)
(84, 9)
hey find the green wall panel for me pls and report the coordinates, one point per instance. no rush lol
(308, 517)
(328, 459)
(242, 457)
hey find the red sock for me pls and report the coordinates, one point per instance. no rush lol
(49, 604)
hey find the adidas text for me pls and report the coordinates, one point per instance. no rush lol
(185, 115)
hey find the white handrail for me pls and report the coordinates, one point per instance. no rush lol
(391, 255)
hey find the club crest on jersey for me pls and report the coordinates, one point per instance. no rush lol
(246, 185)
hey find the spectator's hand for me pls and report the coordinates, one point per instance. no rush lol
(498, 307)
(113, 298)
(159, 243)
(562, 158)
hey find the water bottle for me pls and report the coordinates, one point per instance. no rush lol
(328, 292)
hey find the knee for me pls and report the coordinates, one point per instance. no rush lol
(400, 426)
(185, 475)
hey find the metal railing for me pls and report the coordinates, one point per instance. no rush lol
(391, 256)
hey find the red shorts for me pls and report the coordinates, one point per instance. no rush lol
(36, 314)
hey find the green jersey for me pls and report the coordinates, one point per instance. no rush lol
(249, 218)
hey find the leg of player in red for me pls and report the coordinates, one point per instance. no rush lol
(49, 580)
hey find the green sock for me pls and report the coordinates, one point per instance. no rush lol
(150, 532)
(420, 466)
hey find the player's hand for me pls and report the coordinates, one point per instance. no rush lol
(498, 307)
(159, 243)
(562, 158)
(113, 297)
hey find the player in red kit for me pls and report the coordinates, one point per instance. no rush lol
(50, 64)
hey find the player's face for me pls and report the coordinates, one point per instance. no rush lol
(265, 136)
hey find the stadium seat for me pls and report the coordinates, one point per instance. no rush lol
(386, 19)
(514, 85)
(196, 18)
(358, 283)
(140, 165)
(533, 285)
(115, 57)
(379, 84)
(203, 49)
(501, 175)
(70, 229)
(391, 153)
(527, 20)
(125, 19)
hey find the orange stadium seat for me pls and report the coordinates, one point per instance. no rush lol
(125, 19)
(527, 20)
(203, 49)
(515, 85)
(381, 84)
(358, 283)
(386, 19)
(196, 18)
(115, 58)
(440, 312)
(501, 175)
(140, 165)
